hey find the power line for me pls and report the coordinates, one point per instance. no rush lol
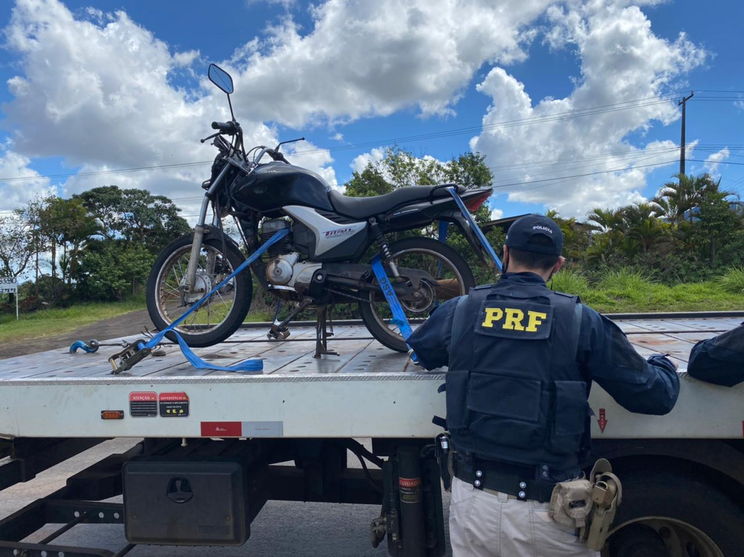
(590, 111)
(585, 174)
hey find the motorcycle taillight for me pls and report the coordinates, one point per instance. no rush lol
(474, 203)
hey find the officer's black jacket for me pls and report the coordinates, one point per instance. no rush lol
(603, 354)
(719, 360)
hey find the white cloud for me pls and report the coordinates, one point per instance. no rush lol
(625, 69)
(19, 184)
(374, 156)
(713, 161)
(96, 91)
(496, 214)
(366, 58)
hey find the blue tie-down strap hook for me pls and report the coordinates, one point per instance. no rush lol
(89, 347)
(399, 316)
(139, 349)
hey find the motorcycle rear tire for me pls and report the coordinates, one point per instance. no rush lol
(375, 325)
(241, 291)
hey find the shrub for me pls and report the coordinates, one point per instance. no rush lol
(733, 280)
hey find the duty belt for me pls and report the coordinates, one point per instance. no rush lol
(512, 480)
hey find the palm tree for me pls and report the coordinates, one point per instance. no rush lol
(676, 200)
(606, 220)
(642, 225)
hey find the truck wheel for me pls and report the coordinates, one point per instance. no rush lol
(674, 515)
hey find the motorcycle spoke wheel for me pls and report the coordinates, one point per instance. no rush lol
(442, 275)
(221, 314)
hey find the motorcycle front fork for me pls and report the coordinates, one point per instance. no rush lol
(188, 288)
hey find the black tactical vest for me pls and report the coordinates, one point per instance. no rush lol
(515, 392)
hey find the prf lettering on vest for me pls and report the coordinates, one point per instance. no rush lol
(512, 319)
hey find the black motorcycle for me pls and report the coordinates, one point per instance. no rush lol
(320, 249)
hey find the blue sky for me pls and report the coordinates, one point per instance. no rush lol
(573, 104)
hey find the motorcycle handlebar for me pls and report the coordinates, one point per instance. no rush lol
(229, 128)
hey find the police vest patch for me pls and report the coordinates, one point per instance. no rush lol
(515, 319)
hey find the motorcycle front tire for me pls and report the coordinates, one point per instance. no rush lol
(199, 331)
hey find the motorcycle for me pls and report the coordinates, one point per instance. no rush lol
(316, 245)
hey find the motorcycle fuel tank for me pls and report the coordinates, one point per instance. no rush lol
(275, 185)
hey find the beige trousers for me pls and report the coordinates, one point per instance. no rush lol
(484, 524)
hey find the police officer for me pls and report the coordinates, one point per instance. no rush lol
(720, 359)
(521, 361)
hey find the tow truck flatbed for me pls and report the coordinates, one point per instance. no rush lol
(365, 391)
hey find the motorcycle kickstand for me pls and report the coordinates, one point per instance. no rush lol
(322, 333)
(279, 329)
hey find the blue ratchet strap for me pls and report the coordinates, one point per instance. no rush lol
(443, 225)
(475, 228)
(246, 366)
(399, 316)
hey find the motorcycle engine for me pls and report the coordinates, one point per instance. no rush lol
(286, 269)
(279, 270)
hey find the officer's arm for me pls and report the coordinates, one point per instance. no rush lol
(646, 386)
(431, 341)
(719, 360)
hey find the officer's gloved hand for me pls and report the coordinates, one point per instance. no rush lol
(661, 360)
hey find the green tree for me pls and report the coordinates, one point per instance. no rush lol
(134, 215)
(16, 246)
(113, 269)
(676, 200)
(67, 226)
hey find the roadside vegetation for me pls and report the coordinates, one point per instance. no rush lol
(88, 257)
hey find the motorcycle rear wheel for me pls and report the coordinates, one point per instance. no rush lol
(222, 314)
(452, 275)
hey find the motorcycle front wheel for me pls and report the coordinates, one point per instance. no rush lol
(448, 276)
(222, 314)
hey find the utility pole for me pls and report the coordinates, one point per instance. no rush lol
(683, 102)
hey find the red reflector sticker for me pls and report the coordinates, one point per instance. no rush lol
(221, 429)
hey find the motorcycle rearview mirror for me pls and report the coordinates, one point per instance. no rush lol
(224, 81)
(220, 78)
(288, 141)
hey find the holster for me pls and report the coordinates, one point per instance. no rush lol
(589, 505)
(607, 494)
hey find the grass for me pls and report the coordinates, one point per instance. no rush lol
(626, 290)
(733, 281)
(61, 320)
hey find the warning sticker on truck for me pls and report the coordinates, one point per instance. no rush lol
(174, 405)
(143, 404)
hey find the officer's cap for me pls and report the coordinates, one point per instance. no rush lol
(529, 233)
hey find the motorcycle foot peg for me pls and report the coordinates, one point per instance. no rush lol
(129, 357)
(278, 333)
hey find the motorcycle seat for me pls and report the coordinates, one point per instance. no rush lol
(365, 207)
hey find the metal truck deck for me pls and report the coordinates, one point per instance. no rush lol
(365, 391)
